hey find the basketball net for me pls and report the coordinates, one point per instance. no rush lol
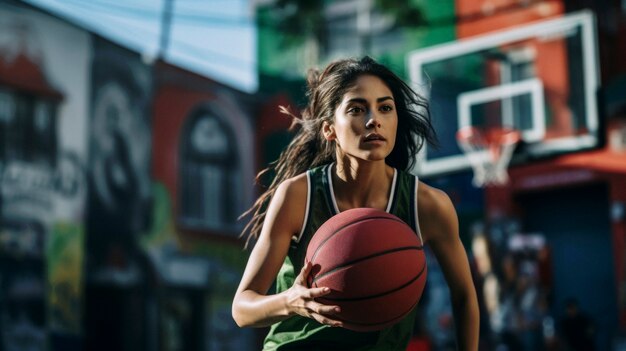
(489, 152)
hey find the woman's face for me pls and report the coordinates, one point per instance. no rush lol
(365, 120)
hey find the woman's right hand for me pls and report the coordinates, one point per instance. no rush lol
(301, 300)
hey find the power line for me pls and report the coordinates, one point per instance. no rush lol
(191, 48)
(147, 14)
(80, 13)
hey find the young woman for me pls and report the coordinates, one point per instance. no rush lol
(356, 140)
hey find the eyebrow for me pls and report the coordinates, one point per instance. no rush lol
(362, 100)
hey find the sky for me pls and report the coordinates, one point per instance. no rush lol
(214, 38)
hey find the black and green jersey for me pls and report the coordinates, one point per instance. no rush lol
(301, 333)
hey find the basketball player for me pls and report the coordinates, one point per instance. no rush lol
(356, 140)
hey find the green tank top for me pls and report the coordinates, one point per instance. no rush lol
(301, 333)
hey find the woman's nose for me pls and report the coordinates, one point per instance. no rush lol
(372, 121)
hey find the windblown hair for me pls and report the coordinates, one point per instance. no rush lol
(310, 149)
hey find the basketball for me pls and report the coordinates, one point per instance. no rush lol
(374, 264)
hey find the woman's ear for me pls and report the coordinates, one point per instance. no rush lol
(329, 131)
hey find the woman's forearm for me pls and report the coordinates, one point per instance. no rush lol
(251, 309)
(467, 321)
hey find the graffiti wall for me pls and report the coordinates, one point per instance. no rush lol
(119, 207)
(44, 65)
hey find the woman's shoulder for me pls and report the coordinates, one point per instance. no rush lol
(435, 209)
(297, 186)
(288, 205)
(432, 197)
(293, 188)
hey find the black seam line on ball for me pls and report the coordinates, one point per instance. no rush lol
(365, 258)
(384, 322)
(379, 294)
(347, 225)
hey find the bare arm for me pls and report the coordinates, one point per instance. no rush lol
(439, 224)
(252, 306)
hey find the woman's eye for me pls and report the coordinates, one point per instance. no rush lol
(386, 108)
(355, 110)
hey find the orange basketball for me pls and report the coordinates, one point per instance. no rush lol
(374, 264)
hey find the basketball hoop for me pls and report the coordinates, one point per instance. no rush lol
(489, 152)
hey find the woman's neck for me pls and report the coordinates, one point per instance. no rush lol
(362, 184)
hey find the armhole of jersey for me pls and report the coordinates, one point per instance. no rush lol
(392, 196)
(415, 212)
(306, 210)
(331, 190)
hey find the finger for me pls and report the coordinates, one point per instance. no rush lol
(304, 272)
(319, 292)
(327, 321)
(325, 309)
(306, 269)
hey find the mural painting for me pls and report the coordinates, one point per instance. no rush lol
(42, 183)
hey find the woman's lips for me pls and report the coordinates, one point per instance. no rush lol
(374, 137)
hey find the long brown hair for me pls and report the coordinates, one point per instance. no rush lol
(310, 149)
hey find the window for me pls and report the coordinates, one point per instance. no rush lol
(210, 175)
(27, 128)
(7, 114)
(7, 107)
(44, 134)
(356, 27)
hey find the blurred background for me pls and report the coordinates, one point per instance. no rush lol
(131, 133)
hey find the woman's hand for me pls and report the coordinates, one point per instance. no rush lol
(301, 300)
